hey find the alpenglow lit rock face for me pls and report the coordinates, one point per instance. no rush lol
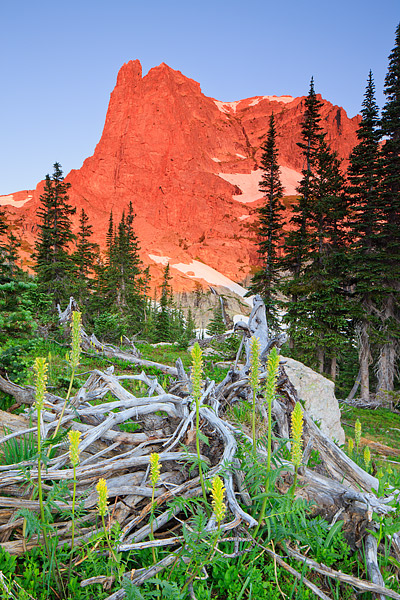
(189, 165)
(318, 395)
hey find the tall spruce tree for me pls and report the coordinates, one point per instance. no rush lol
(84, 258)
(389, 237)
(53, 263)
(164, 314)
(297, 242)
(16, 306)
(9, 245)
(269, 230)
(314, 250)
(363, 190)
(120, 286)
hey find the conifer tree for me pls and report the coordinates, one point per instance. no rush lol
(84, 258)
(54, 266)
(163, 320)
(190, 330)
(269, 230)
(389, 235)
(16, 307)
(364, 177)
(120, 288)
(8, 251)
(297, 242)
(217, 323)
(317, 312)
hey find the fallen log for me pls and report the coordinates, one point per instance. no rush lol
(165, 419)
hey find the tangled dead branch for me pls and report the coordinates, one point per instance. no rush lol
(165, 424)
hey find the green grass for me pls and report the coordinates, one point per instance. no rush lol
(380, 425)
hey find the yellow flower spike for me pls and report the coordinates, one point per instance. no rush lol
(272, 374)
(154, 468)
(74, 439)
(195, 376)
(367, 456)
(76, 324)
(102, 491)
(357, 433)
(254, 363)
(297, 431)
(217, 493)
(40, 368)
(197, 370)
(269, 395)
(350, 446)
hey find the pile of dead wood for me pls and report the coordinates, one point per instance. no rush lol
(165, 418)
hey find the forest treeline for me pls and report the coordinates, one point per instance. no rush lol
(329, 277)
(333, 276)
(113, 290)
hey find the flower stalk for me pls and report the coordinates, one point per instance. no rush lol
(74, 452)
(196, 377)
(102, 492)
(357, 434)
(73, 359)
(297, 441)
(254, 384)
(154, 476)
(40, 370)
(269, 395)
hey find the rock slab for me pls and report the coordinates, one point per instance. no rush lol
(318, 395)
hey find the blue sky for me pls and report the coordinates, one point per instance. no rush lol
(59, 62)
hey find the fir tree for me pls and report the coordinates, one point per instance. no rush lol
(8, 251)
(84, 258)
(297, 242)
(16, 307)
(389, 235)
(269, 230)
(120, 288)
(217, 323)
(163, 321)
(364, 177)
(53, 265)
(317, 311)
(190, 330)
(120, 281)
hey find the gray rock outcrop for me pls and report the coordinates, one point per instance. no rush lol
(318, 395)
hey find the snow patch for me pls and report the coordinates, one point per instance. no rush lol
(9, 200)
(249, 183)
(162, 260)
(199, 270)
(290, 180)
(244, 217)
(231, 107)
(283, 99)
(213, 277)
(240, 155)
(216, 160)
(255, 101)
(227, 107)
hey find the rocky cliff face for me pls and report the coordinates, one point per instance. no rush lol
(189, 165)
